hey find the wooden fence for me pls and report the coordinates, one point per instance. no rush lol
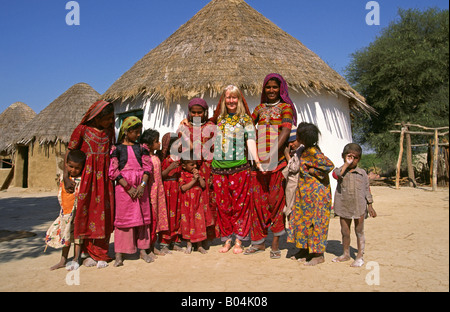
(406, 132)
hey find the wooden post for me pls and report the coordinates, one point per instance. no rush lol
(435, 159)
(412, 179)
(399, 162)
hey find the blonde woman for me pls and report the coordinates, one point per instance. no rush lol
(235, 140)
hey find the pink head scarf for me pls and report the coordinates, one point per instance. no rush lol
(284, 93)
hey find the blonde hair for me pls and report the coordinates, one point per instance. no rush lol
(240, 107)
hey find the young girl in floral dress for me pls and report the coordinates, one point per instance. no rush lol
(310, 215)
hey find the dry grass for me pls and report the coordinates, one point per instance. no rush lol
(57, 121)
(228, 42)
(12, 121)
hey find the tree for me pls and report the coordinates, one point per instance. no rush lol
(404, 75)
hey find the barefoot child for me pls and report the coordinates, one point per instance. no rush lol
(311, 212)
(291, 172)
(150, 140)
(352, 201)
(171, 169)
(131, 168)
(60, 233)
(194, 206)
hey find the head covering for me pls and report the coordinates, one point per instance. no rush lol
(198, 101)
(284, 93)
(293, 135)
(127, 124)
(93, 111)
(219, 108)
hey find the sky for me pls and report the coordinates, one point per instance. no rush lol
(41, 56)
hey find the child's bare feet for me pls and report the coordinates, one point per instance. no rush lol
(102, 264)
(61, 264)
(342, 258)
(119, 260)
(202, 250)
(72, 265)
(165, 250)
(357, 263)
(177, 247)
(158, 252)
(188, 248)
(315, 260)
(89, 262)
(226, 247)
(144, 256)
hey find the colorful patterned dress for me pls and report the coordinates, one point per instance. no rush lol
(311, 212)
(172, 194)
(269, 188)
(202, 140)
(231, 176)
(94, 219)
(195, 215)
(60, 233)
(158, 200)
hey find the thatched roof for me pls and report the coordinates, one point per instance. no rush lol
(57, 121)
(12, 121)
(228, 42)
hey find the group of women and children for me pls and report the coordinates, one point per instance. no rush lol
(210, 179)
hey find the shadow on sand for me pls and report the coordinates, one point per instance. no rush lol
(23, 224)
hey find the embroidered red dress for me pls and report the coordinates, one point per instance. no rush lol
(94, 219)
(172, 193)
(195, 215)
(201, 139)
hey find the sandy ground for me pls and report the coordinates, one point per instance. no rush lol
(407, 249)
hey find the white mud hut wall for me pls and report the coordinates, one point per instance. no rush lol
(329, 112)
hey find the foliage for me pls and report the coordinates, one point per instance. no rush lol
(404, 75)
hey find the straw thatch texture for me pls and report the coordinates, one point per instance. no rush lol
(12, 121)
(228, 42)
(57, 121)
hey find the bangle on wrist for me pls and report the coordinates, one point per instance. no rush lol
(143, 184)
(127, 187)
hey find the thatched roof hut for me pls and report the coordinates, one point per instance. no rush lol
(228, 41)
(57, 121)
(42, 144)
(12, 121)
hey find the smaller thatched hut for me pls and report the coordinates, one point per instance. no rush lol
(12, 121)
(43, 141)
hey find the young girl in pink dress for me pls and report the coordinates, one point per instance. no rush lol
(150, 140)
(194, 206)
(131, 168)
(171, 170)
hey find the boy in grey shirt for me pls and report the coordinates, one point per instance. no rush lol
(352, 201)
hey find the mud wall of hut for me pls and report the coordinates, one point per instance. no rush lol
(331, 113)
(45, 165)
